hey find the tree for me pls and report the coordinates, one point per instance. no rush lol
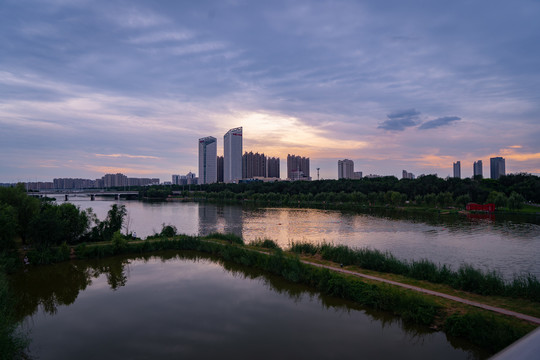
(8, 227)
(497, 198)
(515, 201)
(57, 224)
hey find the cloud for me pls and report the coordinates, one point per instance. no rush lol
(164, 36)
(442, 121)
(400, 120)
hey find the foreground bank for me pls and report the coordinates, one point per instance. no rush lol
(486, 329)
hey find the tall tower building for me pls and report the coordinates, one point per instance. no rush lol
(232, 155)
(477, 168)
(497, 167)
(253, 165)
(272, 165)
(207, 160)
(345, 169)
(457, 169)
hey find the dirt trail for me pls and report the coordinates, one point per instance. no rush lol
(431, 292)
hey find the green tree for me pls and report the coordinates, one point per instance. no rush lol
(498, 198)
(8, 227)
(515, 201)
(26, 207)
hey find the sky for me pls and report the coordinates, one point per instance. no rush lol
(92, 87)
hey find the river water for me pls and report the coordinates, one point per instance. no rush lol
(508, 245)
(189, 306)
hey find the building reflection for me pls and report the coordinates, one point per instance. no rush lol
(220, 218)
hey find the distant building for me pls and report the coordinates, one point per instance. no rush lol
(297, 168)
(207, 160)
(272, 167)
(253, 165)
(220, 169)
(345, 169)
(357, 175)
(497, 167)
(191, 179)
(372, 176)
(407, 175)
(115, 180)
(477, 168)
(457, 169)
(232, 155)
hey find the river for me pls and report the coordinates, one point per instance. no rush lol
(508, 245)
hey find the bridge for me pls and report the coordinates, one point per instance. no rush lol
(117, 194)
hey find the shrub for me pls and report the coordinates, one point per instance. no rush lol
(266, 244)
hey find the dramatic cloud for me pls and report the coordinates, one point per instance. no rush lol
(138, 82)
(400, 120)
(442, 121)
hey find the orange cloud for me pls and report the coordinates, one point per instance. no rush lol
(511, 153)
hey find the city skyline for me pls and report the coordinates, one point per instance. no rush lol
(114, 87)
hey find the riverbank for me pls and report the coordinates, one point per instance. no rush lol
(485, 328)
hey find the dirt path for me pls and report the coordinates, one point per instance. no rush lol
(431, 292)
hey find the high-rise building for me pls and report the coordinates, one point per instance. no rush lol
(497, 167)
(220, 169)
(477, 168)
(272, 167)
(457, 169)
(345, 169)
(253, 165)
(207, 160)
(232, 155)
(297, 168)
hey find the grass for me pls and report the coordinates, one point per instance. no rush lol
(466, 277)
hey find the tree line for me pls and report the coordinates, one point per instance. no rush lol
(41, 223)
(509, 191)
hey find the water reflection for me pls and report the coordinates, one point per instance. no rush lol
(55, 288)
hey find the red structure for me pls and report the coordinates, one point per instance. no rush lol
(479, 207)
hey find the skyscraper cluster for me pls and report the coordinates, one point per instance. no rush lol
(232, 167)
(497, 168)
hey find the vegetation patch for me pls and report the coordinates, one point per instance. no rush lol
(466, 278)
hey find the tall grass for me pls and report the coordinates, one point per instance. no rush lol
(466, 277)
